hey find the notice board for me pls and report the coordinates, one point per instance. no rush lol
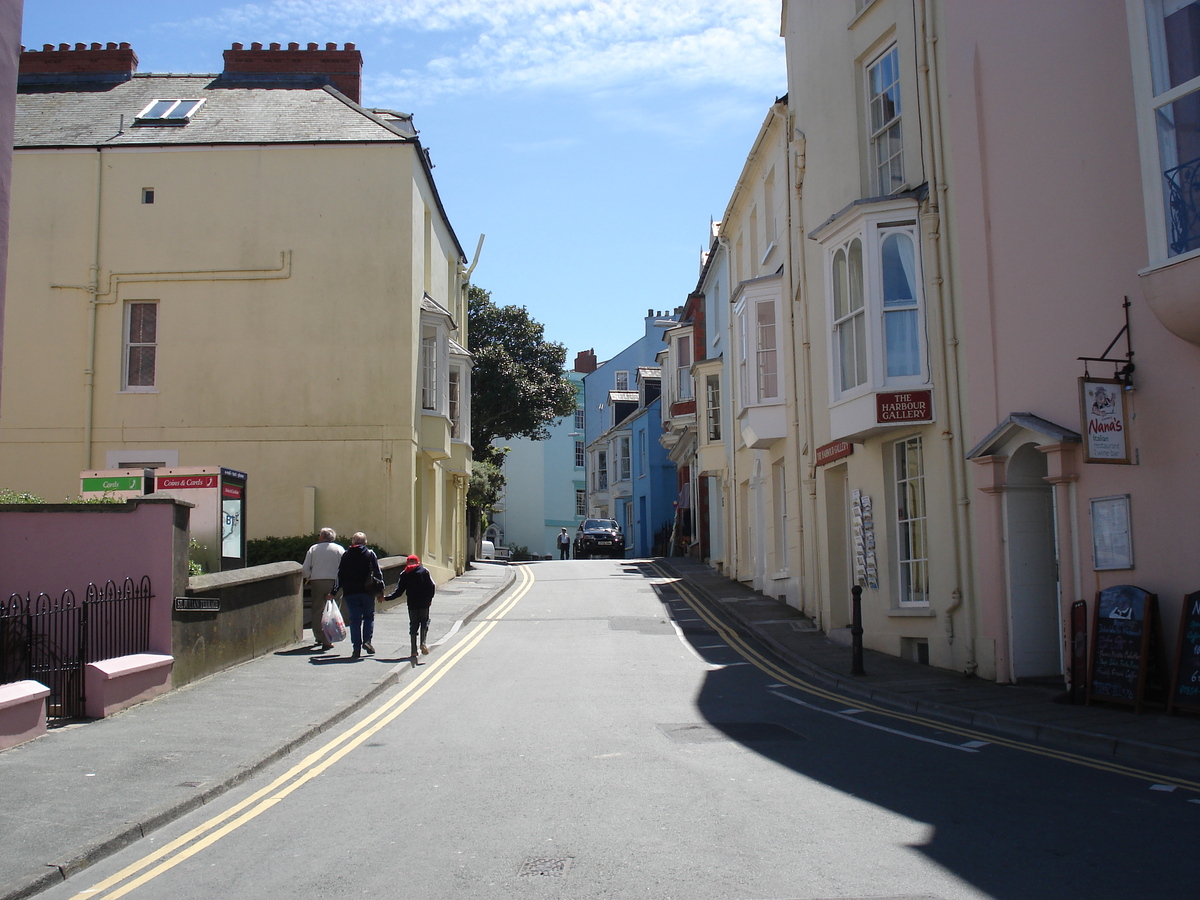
(1125, 646)
(1185, 687)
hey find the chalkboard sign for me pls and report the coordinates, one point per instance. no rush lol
(1125, 620)
(1185, 688)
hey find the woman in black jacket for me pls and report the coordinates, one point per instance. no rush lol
(418, 583)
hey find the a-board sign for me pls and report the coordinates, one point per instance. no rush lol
(1123, 627)
(1185, 687)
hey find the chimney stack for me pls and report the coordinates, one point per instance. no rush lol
(585, 361)
(83, 63)
(341, 68)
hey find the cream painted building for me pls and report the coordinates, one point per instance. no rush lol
(730, 410)
(885, 480)
(246, 269)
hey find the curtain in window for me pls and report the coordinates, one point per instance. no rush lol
(902, 341)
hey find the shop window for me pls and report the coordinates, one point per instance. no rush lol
(912, 547)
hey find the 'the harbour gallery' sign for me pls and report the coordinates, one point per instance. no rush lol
(1105, 425)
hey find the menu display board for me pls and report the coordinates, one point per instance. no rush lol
(1185, 687)
(1125, 620)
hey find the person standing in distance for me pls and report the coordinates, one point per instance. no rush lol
(418, 583)
(357, 566)
(564, 545)
(320, 574)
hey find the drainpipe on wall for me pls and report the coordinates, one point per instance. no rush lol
(932, 152)
(802, 367)
(733, 550)
(93, 289)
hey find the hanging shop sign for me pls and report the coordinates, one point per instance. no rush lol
(1105, 424)
(833, 451)
(900, 407)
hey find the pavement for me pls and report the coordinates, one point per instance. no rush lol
(1032, 713)
(86, 790)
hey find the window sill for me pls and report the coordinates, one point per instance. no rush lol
(780, 575)
(138, 390)
(920, 612)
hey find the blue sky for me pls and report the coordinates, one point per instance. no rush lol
(590, 142)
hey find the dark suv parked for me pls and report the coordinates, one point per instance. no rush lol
(599, 537)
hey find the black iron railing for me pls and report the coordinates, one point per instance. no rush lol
(50, 640)
(1183, 199)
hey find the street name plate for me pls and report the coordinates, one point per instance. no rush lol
(198, 604)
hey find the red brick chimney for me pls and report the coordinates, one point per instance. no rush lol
(343, 68)
(585, 361)
(110, 62)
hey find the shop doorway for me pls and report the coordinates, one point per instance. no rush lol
(1032, 560)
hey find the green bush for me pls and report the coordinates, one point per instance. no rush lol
(261, 551)
(8, 495)
(519, 554)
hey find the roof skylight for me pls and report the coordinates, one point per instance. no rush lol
(168, 112)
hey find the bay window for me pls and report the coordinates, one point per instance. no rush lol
(876, 303)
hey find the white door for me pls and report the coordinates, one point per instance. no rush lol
(1032, 568)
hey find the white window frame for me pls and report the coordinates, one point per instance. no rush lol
(580, 455)
(580, 502)
(871, 230)
(766, 350)
(683, 367)
(129, 344)
(1152, 102)
(602, 480)
(887, 173)
(624, 460)
(621, 380)
(912, 525)
(429, 369)
(755, 352)
(712, 408)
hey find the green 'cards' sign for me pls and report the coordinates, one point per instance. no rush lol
(112, 485)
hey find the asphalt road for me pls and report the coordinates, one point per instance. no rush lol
(593, 736)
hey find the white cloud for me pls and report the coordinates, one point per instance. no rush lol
(453, 47)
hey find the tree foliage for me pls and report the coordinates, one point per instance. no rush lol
(518, 387)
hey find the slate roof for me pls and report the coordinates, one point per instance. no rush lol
(234, 112)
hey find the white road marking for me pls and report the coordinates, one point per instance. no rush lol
(975, 745)
(1168, 788)
(848, 718)
(851, 712)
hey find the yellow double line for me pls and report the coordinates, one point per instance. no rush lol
(205, 835)
(789, 678)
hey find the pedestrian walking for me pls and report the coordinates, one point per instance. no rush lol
(418, 583)
(564, 545)
(320, 574)
(358, 573)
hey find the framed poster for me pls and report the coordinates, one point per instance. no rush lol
(1105, 426)
(1112, 540)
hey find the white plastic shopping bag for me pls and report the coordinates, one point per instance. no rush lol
(332, 623)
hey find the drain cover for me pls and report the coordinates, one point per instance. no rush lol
(552, 866)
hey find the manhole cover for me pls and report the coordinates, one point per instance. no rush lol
(743, 732)
(640, 625)
(550, 866)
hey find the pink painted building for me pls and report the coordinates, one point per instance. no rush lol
(1070, 193)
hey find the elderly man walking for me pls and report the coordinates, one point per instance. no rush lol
(320, 573)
